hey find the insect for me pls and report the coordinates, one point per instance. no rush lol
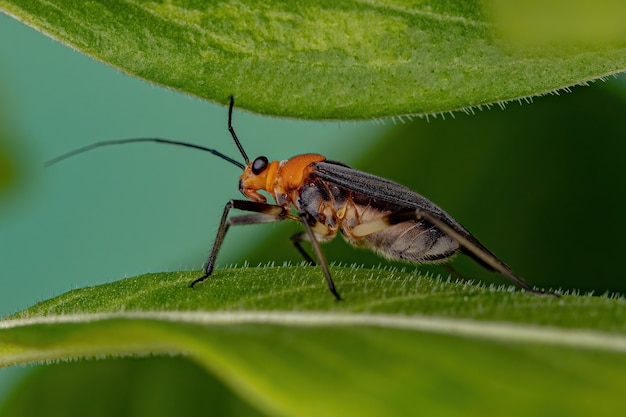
(328, 197)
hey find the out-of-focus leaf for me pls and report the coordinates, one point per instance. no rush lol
(10, 172)
(581, 22)
(156, 387)
(7, 168)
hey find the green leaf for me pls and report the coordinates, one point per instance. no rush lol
(399, 344)
(583, 22)
(124, 387)
(320, 60)
(12, 161)
(7, 168)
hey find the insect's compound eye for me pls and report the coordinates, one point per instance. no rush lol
(259, 165)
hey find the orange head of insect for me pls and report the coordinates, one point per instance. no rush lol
(258, 175)
(281, 180)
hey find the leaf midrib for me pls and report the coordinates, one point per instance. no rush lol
(489, 330)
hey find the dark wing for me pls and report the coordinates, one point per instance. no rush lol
(381, 189)
(391, 192)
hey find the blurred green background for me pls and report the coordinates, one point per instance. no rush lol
(540, 184)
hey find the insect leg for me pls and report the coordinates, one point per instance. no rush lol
(481, 254)
(263, 213)
(485, 256)
(302, 237)
(319, 254)
(453, 272)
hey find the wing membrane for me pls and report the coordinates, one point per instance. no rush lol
(394, 193)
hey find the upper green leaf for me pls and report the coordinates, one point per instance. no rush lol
(538, 22)
(319, 60)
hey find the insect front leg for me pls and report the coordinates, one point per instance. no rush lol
(263, 213)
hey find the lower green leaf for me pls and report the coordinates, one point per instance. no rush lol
(367, 371)
(156, 387)
(399, 344)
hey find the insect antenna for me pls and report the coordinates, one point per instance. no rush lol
(167, 142)
(135, 140)
(232, 130)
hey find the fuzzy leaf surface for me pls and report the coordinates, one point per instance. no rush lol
(320, 60)
(280, 341)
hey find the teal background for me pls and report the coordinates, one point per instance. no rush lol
(125, 210)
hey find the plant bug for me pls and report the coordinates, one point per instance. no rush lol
(327, 197)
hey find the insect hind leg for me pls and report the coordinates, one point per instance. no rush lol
(454, 273)
(479, 252)
(468, 243)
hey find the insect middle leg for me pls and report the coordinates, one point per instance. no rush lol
(310, 236)
(263, 213)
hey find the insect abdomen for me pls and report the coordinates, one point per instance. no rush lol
(411, 240)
